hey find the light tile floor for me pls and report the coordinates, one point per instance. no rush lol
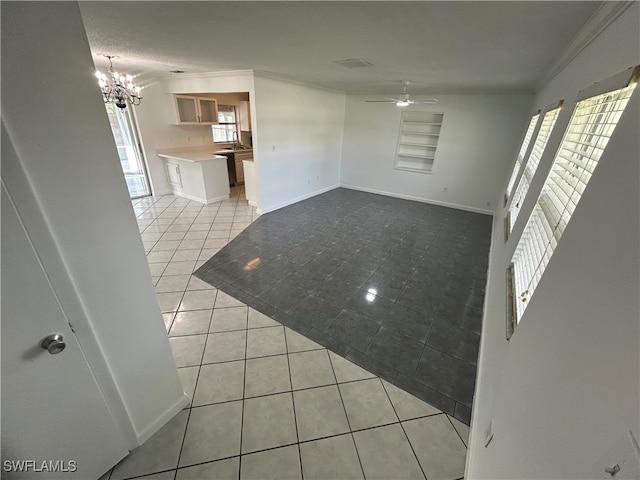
(268, 403)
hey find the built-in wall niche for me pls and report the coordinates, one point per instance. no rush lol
(418, 140)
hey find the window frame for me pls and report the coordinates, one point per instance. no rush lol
(535, 154)
(225, 125)
(522, 155)
(533, 259)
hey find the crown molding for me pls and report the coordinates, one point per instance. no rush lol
(150, 78)
(293, 81)
(604, 16)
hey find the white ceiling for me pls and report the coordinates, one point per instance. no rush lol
(440, 46)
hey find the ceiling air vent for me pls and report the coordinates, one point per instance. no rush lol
(353, 63)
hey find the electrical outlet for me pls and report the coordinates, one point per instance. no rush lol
(444, 189)
(318, 178)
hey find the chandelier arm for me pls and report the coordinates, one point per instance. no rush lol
(119, 88)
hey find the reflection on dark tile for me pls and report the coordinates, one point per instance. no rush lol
(388, 287)
(396, 286)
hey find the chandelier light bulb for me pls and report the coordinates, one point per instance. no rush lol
(119, 89)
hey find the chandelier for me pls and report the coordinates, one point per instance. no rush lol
(118, 88)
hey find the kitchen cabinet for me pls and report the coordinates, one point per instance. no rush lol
(250, 183)
(192, 110)
(197, 175)
(239, 157)
(244, 115)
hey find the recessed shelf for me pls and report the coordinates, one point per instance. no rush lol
(417, 141)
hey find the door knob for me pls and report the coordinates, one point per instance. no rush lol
(53, 343)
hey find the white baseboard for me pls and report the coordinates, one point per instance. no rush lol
(157, 193)
(253, 203)
(201, 200)
(168, 414)
(418, 199)
(297, 199)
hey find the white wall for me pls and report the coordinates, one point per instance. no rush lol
(564, 391)
(58, 125)
(156, 115)
(297, 138)
(478, 141)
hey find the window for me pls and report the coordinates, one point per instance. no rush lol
(593, 121)
(223, 131)
(125, 134)
(548, 121)
(417, 142)
(520, 158)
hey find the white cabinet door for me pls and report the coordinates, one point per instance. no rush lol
(192, 110)
(173, 174)
(208, 110)
(187, 109)
(53, 413)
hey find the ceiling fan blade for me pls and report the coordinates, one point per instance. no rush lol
(386, 99)
(431, 101)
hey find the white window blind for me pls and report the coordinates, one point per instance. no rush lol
(548, 121)
(521, 153)
(592, 124)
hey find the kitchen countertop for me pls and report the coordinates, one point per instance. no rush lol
(230, 150)
(192, 155)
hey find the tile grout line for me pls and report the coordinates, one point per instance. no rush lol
(293, 401)
(346, 415)
(195, 389)
(403, 429)
(244, 387)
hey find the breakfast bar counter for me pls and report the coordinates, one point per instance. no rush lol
(197, 174)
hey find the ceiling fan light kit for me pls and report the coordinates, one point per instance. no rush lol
(403, 100)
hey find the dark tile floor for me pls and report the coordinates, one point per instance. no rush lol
(392, 285)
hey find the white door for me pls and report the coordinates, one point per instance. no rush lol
(55, 420)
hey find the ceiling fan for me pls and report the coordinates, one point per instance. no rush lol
(403, 100)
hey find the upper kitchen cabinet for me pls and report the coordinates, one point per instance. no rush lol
(191, 110)
(244, 115)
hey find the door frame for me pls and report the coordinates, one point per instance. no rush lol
(134, 131)
(21, 191)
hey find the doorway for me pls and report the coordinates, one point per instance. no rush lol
(125, 134)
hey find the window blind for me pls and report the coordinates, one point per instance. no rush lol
(523, 150)
(592, 124)
(548, 121)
